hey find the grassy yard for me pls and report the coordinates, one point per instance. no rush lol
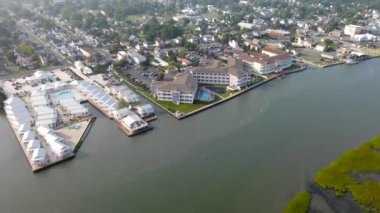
(228, 94)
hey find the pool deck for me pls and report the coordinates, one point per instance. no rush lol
(73, 136)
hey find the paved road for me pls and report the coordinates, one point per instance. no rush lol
(63, 60)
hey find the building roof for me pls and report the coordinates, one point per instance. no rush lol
(182, 82)
(234, 67)
(263, 58)
(43, 131)
(39, 154)
(33, 144)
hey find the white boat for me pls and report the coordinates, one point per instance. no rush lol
(350, 61)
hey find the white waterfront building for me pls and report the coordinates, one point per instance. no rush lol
(56, 144)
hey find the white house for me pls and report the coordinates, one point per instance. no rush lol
(57, 146)
(121, 113)
(32, 145)
(39, 156)
(44, 131)
(132, 121)
(365, 37)
(28, 136)
(121, 55)
(320, 47)
(234, 44)
(136, 57)
(145, 110)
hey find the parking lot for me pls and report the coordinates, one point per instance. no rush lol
(137, 73)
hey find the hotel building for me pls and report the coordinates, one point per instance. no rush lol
(268, 61)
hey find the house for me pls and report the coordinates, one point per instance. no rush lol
(56, 144)
(121, 113)
(181, 90)
(217, 73)
(352, 30)
(194, 40)
(87, 51)
(365, 37)
(268, 61)
(136, 57)
(133, 38)
(17, 112)
(336, 33)
(33, 145)
(87, 71)
(208, 38)
(246, 25)
(305, 42)
(121, 55)
(234, 44)
(278, 33)
(185, 62)
(320, 47)
(39, 156)
(145, 110)
(28, 136)
(328, 56)
(43, 131)
(139, 47)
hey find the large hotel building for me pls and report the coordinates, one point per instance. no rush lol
(184, 87)
(268, 61)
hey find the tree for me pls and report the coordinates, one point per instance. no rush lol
(160, 77)
(3, 97)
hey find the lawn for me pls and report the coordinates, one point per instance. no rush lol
(300, 204)
(184, 108)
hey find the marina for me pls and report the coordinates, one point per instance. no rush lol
(251, 153)
(47, 113)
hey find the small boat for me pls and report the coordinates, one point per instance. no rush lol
(351, 61)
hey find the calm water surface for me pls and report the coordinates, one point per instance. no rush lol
(251, 154)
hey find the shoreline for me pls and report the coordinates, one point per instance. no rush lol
(183, 116)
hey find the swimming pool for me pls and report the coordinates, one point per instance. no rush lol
(65, 95)
(205, 95)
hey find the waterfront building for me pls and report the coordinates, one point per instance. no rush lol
(32, 145)
(57, 146)
(43, 131)
(17, 112)
(28, 136)
(181, 90)
(232, 74)
(73, 108)
(45, 116)
(39, 156)
(132, 121)
(268, 61)
(121, 113)
(145, 110)
(24, 127)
